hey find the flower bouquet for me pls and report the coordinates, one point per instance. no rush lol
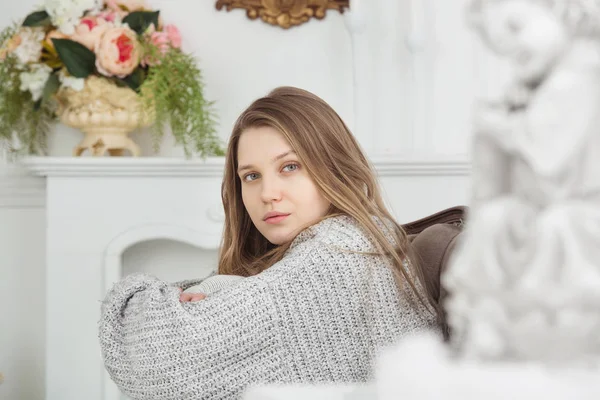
(105, 67)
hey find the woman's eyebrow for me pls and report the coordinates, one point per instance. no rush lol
(275, 159)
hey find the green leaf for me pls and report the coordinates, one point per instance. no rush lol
(135, 79)
(79, 60)
(51, 87)
(37, 18)
(118, 82)
(139, 21)
(37, 105)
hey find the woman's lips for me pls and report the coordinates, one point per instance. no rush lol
(276, 219)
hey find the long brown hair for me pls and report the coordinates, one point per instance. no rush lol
(337, 165)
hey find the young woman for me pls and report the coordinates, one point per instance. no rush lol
(328, 277)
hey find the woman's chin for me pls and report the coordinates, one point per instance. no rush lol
(279, 239)
(279, 235)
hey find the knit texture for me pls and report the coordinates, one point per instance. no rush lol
(321, 314)
(212, 284)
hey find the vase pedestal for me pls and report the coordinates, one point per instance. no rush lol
(106, 114)
(106, 140)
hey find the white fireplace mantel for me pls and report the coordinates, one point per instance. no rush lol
(96, 208)
(211, 167)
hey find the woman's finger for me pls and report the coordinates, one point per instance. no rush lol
(185, 297)
(198, 296)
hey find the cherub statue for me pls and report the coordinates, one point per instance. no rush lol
(525, 285)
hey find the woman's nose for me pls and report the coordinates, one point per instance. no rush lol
(271, 190)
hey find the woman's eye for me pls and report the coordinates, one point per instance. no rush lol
(290, 167)
(250, 177)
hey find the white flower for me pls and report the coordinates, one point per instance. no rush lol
(30, 48)
(71, 81)
(35, 80)
(65, 14)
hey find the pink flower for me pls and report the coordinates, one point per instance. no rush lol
(130, 5)
(90, 30)
(117, 52)
(108, 15)
(118, 9)
(174, 35)
(160, 40)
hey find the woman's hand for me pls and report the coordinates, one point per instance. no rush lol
(190, 297)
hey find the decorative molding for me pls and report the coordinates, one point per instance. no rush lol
(24, 186)
(19, 189)
(458, 165)
(211, 167)
(284, 14)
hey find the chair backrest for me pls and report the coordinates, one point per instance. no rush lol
(433, 239)
(453, 215)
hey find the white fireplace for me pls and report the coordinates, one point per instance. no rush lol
(98, 211)
(106, 217)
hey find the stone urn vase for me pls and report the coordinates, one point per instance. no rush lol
(106, 114)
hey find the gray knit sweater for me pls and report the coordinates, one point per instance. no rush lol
(319, 315)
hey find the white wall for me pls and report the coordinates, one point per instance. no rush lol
(22, 296)
(421, 98)
(22, 286)
(425, 66)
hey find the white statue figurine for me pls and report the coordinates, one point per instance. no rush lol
(525, 284)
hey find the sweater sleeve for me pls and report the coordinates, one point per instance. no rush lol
(155, 347)
(215, 283)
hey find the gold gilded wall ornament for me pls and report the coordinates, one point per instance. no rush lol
(284, 13)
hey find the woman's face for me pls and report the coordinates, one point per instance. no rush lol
(278, 193)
